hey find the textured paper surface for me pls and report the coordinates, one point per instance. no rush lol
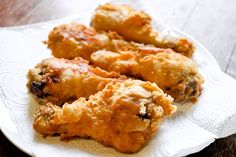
(213, 116)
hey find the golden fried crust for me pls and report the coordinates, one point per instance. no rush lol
(130, 59)
(123, 115)
(72, 40)
(125, 20)
(174, 73)
(136, 26)
(59, 80)
(65, 38)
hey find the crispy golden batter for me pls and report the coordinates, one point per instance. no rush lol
(174, 73)
(131, 59)
(81, 100)
(59, 80)
(123, 115)
(72, 40)
(136, 26)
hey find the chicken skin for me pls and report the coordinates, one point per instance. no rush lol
(124, 115)
(174, 73)
(72, 40)
(60, 80)
(136, 26)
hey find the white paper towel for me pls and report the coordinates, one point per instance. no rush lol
(213, 116)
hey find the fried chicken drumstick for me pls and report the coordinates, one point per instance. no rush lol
(180, 78)
(136, 26)
(72, 40)
(60, 80)
(174, 73)
(123, 115)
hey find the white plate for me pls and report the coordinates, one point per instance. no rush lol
(213, 116)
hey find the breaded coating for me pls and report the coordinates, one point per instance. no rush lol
(174, 73)
(133, 60)
(72, 40)
(136, 26)
(60, 80)
(124, 115)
